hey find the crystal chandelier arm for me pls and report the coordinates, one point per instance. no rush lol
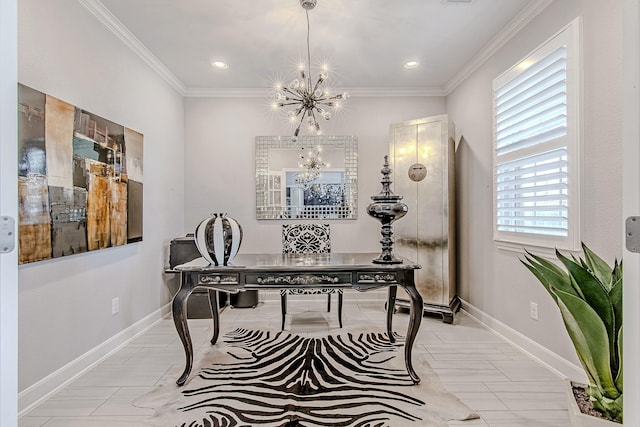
(327, 100)
(299, 122)
(315, 122)
(328, 103)
(324, 114)
(318, 83)
(296, 94)
(289, 91)
(284, 104)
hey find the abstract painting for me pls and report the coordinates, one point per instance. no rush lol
(79, 179)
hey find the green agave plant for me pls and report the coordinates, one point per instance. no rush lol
(589, 294)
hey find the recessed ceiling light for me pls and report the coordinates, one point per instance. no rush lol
(219, 64)
(411, 64)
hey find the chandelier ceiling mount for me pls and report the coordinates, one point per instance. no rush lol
(308, 4)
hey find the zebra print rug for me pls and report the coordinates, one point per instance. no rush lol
(268, 378)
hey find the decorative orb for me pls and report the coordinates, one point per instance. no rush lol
(417, 172)
(218, 239)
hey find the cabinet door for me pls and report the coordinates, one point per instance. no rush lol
(423, 235)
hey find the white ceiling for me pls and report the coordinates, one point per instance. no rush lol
(366, 42)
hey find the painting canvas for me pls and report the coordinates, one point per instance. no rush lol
(79, 179)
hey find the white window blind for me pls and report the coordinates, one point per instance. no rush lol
(536, 158)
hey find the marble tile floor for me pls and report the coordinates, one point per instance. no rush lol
(502, 384)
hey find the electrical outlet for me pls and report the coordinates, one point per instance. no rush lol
(533, 310)
(115, 306)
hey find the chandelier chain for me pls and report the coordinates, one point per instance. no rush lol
(308, 50)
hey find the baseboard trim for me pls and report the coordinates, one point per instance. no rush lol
(35, 394)
(543, 355)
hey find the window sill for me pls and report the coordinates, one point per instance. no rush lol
(543, 251)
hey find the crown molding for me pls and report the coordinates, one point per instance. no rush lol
(395, 91)
(209, 92)
(116, 27)
(507, 33)
(356, 91)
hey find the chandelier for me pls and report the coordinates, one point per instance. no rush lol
(311, 165)
(303, 100)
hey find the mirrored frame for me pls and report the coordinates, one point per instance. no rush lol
(333, 196)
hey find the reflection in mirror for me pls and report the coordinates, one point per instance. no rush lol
(308, 177)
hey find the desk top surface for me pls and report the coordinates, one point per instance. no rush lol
(293, 262)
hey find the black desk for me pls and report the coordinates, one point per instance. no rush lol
(283, 271)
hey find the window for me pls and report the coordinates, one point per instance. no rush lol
(274, 188)
(537, 156)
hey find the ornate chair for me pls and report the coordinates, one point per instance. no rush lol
(307, 238)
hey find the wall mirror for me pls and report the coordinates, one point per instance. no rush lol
(307, 177)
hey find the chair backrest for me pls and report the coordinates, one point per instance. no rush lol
(306, 238)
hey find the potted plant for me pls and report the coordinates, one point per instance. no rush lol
(588, 293)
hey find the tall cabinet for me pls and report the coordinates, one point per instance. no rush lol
(422, 161)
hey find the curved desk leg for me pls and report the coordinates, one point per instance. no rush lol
(179, 311)
(414, 325)
(340, 307)
(215, 314)
(391, 306)
(283, 306)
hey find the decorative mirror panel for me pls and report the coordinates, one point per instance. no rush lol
(306, 177)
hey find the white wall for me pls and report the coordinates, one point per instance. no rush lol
(8, 207)
(65, 303)
(496, 282)
(220, 168)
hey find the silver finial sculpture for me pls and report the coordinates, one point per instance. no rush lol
(386, 208)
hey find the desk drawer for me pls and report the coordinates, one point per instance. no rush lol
(298, 279)
(217, 278)
(382, 277)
